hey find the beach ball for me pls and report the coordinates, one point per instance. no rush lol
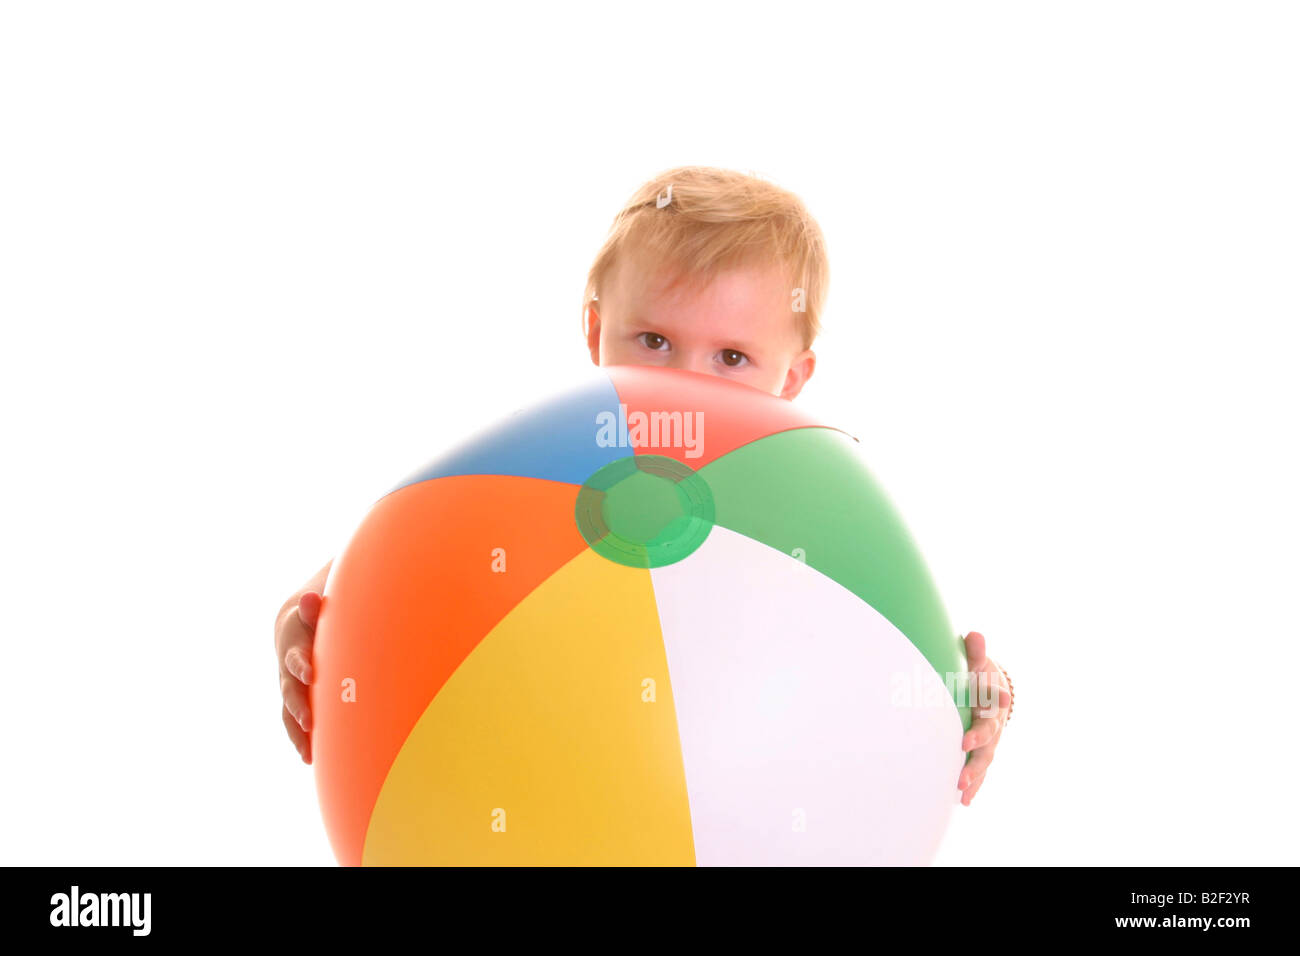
(661, 618)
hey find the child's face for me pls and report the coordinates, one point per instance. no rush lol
(739, 326)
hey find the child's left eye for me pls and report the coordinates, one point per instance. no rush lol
(733, 359)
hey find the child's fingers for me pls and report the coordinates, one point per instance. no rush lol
(983, 731)
(976, 767)
(309, 609)
(969, 783)
(974, 650)
(995, 694)
(301, 740)
(296, 702)
(297, 664)
(295, 633)
(973, 789)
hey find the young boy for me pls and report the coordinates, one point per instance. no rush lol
(707, 270)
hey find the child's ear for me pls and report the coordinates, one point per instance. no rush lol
(593, 332)
(801, 370)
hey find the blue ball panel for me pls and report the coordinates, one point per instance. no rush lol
(555, 441)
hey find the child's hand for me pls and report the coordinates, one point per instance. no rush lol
(986, 729)
(295, 631)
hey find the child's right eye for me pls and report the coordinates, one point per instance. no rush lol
(653, 341)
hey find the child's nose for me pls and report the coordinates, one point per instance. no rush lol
(692, 362)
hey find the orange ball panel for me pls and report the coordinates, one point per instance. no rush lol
(406, 602)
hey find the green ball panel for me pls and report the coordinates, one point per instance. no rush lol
(817, 501)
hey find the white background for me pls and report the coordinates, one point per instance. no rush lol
(260, 260)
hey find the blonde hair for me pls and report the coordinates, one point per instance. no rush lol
(715, 219)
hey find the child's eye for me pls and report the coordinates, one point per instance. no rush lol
(733, 359)
(653, 341)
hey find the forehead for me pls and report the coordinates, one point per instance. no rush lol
(743, 302)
